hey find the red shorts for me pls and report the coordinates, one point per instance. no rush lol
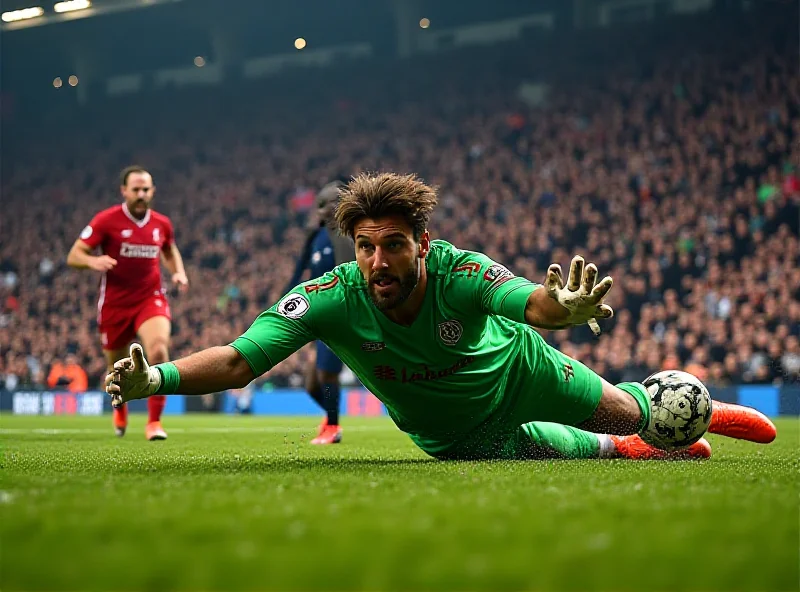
(118, 326)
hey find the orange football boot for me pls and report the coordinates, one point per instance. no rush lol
(154, 431)
(742, 423)
(328, 434)
(635, 448)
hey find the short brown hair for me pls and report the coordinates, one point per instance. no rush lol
(128, 171)
(385, 194)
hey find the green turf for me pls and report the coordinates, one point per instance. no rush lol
(233, 503)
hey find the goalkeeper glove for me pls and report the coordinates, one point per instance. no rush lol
(581, 297)
(132, 378)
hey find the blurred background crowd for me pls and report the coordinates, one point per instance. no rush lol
(666, 152)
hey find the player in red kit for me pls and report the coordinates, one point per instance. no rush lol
(133, 240)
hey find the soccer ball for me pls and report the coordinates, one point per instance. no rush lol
(680, 410)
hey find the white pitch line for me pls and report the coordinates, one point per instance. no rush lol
(267, 430)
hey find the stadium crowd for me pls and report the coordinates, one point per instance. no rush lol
(673, 164)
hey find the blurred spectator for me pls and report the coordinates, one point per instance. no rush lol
(68, 374)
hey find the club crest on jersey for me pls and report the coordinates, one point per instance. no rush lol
(496, 272)
(450, 332)
(293, 306)
(126, 233)
(156, 235)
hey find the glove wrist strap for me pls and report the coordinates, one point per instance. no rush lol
(170, 378)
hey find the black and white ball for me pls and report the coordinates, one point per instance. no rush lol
(680, 407)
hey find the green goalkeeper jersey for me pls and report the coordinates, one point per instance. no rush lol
(440, 377)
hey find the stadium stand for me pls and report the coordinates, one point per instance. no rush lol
(666, 154)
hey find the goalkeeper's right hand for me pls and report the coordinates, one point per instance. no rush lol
(132, 378)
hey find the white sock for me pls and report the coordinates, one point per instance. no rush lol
(607, 447)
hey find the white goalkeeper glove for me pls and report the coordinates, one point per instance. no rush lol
(580, 297)
(132, 378)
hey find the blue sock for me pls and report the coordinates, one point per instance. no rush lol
(331, 396)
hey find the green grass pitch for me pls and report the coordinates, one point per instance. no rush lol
(245, 503)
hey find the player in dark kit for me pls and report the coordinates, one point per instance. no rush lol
(324, 249)
(133, 240)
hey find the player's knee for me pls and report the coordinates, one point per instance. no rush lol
(157, 352)
(617, 413)
(326, 377)
(624, 416)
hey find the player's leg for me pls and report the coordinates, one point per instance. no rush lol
(312, 384)
(328, 367)
(116, 332)
(624, 410)
(154, 331)
(120, 414)
(570, 411)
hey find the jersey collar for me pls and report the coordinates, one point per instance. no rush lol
(140, 223)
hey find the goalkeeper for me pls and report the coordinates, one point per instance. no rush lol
(445, 339)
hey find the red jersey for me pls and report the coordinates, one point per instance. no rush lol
(136, 245)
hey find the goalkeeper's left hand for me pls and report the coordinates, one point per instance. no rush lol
(581, 297)
(132, 378)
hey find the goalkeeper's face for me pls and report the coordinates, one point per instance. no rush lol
(389, 258)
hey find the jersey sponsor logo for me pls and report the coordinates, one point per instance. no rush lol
(156, 235)
(322, 287)
(139, 251)
(383, 372)
(293, 306)
(126, 233)
(86, 232)
(473, 267)
(497, 272)
(373, 346)
(450, 332)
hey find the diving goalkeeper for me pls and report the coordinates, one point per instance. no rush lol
(445, 339)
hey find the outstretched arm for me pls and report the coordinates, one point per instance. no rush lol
(558, 307)
(213, 370)
(209, 371)
(274, 335)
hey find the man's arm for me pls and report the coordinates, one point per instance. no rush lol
(212, 370)
(80, 257)
(173, 261)
(493, 289)
(558, 307)
(274, 335)
(543, 312)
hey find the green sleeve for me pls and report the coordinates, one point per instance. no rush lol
(486, 286)
(278, 332)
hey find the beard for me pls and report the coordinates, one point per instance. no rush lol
(407, 282)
